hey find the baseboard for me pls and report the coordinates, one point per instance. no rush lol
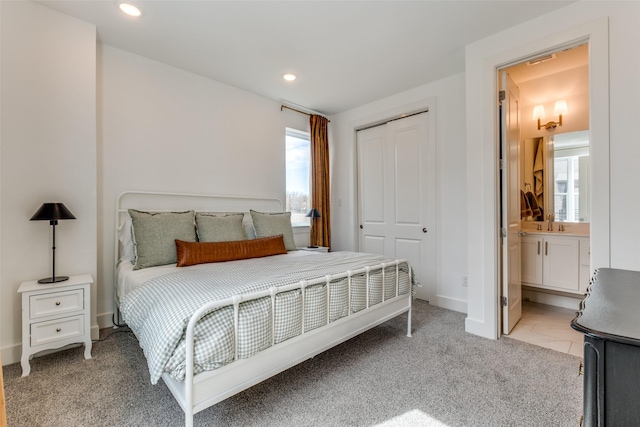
(11, 354)
(105, 320)
(95, 332)
(479, 328)
(454, 304)
(550, 299)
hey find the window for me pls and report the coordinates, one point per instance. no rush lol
(571, 176)
(566, 191)
(298, 164)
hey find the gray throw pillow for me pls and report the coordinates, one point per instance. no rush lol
(155, 233)
(272, 224)
(220, 228)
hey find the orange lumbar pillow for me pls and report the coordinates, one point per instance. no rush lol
(192, 253)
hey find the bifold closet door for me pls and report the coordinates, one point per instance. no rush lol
(393, 198)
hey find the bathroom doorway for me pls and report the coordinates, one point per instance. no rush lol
(549, 179)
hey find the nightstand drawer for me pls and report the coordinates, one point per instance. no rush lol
(55, 330)
(56, 303)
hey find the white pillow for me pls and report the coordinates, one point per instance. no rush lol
(247, 224)
(127, 252)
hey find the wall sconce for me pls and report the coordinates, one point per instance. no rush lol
(559, 110)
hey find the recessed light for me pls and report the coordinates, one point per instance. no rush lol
(289, 77)
(130, 9)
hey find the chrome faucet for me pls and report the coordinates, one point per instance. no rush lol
(549, 222)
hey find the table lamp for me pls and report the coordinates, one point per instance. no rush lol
(313, 214)
(52, 212)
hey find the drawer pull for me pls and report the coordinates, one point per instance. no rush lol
(581, 369)
(57, 302)
(58, 329)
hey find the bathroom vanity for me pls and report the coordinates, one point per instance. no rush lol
(610, 320)
(556, 261)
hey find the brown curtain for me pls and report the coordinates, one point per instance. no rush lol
(320, 188)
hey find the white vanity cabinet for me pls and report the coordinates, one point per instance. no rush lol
(531, 254)
(556, 262)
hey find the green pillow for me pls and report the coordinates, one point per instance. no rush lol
(220, 228)
(272, 224)
(155, 234)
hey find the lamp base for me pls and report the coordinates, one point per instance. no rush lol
(53, 279)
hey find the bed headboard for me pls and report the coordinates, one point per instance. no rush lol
(160, 201)
(157, 201)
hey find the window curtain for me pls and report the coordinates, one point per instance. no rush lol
(320, 188)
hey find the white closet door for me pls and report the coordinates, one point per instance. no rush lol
(395, 195)
(372, 189)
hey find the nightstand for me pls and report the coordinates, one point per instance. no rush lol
(55, 315)
(316, 249)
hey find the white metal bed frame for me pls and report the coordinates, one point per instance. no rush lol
(198, 392)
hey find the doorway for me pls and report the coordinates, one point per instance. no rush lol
(542, 261)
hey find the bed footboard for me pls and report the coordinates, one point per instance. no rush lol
(198, 392)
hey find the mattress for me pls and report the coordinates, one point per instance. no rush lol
(158, 304)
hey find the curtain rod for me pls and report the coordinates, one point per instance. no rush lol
(298, 111)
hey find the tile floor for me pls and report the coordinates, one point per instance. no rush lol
(548, 326)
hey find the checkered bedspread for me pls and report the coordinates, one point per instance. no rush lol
(159, 310)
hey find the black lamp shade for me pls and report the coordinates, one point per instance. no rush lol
(52, 212)
(313, 213)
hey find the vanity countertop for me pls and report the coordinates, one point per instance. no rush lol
(556, 233)
(575, 229)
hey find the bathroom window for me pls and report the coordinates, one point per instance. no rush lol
(570, 175)
(567, 171)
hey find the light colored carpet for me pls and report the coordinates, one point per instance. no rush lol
(441, 376)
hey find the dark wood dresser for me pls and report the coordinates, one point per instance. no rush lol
(609, 317)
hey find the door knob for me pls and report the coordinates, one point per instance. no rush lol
(361, 226)
(424, 230)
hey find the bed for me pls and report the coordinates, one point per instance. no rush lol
(211, 329)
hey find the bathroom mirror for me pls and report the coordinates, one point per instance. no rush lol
(556, 176)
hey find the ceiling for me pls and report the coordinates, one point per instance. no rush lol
(345, 53)
(550, 64)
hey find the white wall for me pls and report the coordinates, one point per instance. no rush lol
(451, 207)
(614, 112)
(48, 132)
(163, 129)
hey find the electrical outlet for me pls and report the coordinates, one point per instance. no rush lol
(464, 281)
